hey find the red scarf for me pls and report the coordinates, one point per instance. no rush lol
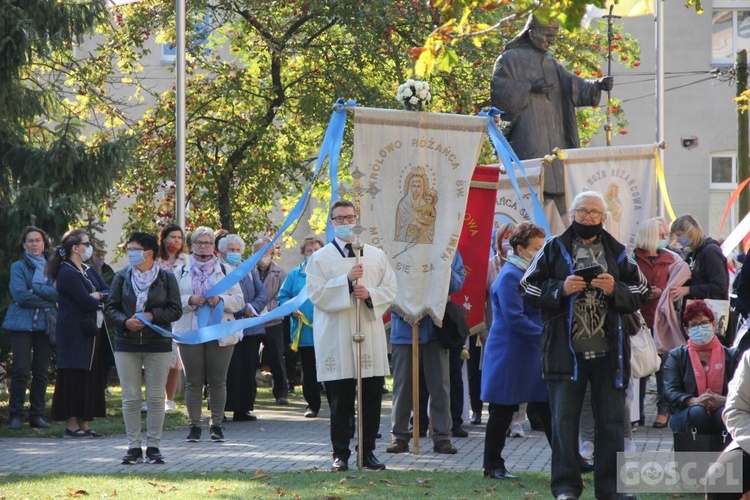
(713, 378)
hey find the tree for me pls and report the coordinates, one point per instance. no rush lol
(262, 78)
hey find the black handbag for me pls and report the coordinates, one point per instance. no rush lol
(693, 441)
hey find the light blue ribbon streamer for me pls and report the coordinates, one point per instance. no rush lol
(208, 315)
(331, 149)
(511, 161)
(333, 161)
(217, 331)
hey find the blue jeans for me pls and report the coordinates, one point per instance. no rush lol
(31, 356)
(566, 399)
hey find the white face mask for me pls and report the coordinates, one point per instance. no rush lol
(86, 255)
(265, 261)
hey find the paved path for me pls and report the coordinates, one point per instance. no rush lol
(281, 440)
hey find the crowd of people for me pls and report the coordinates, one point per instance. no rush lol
(557, 351)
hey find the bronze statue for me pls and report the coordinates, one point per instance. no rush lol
(539, 98)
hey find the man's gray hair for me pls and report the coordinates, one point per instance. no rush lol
(587, 194)
(228, 240)
(261, 242)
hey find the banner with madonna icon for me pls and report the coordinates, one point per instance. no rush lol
(414, 170)
(625, 176)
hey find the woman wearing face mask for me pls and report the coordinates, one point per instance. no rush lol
(655, 262)
(208, 361)
(696, 375)
(82, 342)
(143, 287)
(170, 255)
(709, 278)
(241, 386)
(512, 371)
(302, 326)
(33, 295)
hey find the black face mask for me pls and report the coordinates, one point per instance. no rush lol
(586, 232)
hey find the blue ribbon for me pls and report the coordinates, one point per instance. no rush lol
(331, 149)
(511, 161)
(217, 331)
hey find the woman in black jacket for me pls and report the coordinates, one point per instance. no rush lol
(143, 288)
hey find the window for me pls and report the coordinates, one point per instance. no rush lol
(722, 182)
(730, 30)
(198, 37)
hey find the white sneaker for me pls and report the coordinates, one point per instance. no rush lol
(169, 406)
(586, 449)
(630, 449)
(516, 430)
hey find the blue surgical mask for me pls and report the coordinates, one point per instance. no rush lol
(86, 255)
(701, 334)
(234, 258)
(344, 231)
(683, 241)
(663, 243)
(135, 257)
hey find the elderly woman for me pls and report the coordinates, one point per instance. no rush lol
(654, 261)
(512, 371)
(143, 287)
(709, 278)
(696, 375)
(33, 296)
(170, 255)
(241, 386)
(82, 340)
(302, 326)
(208, 361)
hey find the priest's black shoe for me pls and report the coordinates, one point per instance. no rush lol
(15, 423)
(244, 416)
(339, 465)
(501, 473)
(585, 466)
(370, 462)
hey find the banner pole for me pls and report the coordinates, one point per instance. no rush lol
(415, 384)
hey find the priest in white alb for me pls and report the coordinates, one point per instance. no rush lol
(331, 276)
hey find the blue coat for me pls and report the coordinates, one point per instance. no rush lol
(512, 370)
(293, 284)
(254, 293)
(75, 349)
(26, 313)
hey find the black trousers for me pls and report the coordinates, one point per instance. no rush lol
(341, 396)
(457, 385)
(310, 387)
(475, 374)
(273, 346)
(241, 386)
(497, 427)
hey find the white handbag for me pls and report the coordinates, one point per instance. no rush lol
(644, 359)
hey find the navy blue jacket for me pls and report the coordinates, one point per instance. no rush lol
(26, 313)
(75, 349)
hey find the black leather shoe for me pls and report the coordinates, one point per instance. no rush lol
(370, 462)
(585, 466)
(38, 422)
(566, 496)
(15, 423)
(244, 416)
(476, 418)
(501, 473)
(460, 432)
(339, 465)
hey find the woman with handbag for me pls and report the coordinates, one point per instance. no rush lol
(654, 261)
(82, 340)
(696, 375)
(33, 300)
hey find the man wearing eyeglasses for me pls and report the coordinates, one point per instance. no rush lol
(583, 280)
(335, 281)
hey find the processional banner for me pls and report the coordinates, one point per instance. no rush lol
(414, 169)
(507, 206)
(474, 244)
(625, 176)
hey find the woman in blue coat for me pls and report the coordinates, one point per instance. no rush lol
(512, 370)
(82, 340)
(302, 326)
(33, 296)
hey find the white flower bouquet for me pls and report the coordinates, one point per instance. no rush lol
(414, 94)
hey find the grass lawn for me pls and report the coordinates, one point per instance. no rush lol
(316, 485)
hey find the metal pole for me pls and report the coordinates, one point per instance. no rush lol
(610, 35)
(180, 122)
(358, 338)
(743, 149)
(660, 94)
